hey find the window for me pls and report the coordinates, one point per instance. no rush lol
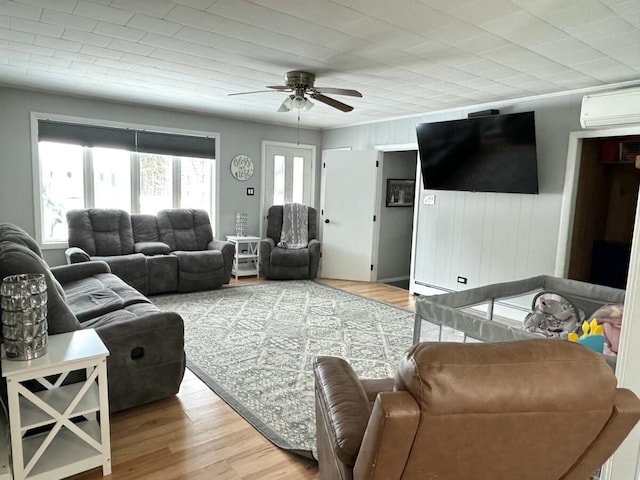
(156, 182)
(62, 178)
(298, 179)
(288, 172)
(141, 172)
(111, 178)
(278, 179)
(195, 182)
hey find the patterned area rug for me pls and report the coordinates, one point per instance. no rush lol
(254, 346)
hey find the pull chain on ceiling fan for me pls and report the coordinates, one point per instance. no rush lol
(301, 84)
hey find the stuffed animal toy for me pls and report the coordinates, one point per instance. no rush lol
(610, 316)
(591, 337)
(553, 316)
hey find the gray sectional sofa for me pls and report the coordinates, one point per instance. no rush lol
(173, 251)
(146, 345)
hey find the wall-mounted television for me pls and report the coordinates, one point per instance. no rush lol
(494, 153)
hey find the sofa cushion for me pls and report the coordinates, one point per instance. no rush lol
(96, 303)
(131, 268)
(185, 228)
(145, 228)
(275, 219)
(15, 259)
(101, 231)
(100, 294)
(289, 258)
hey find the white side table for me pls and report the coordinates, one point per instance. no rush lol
(75, 417)
(247, 257)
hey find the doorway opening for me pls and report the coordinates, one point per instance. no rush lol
(605, 210)
(396, 206)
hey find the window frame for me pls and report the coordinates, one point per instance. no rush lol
(37, 181)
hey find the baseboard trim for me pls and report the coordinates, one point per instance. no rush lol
(394, 279)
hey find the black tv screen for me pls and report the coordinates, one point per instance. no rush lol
(495, 153)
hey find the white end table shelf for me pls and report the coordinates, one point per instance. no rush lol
(247, 257)
(78, 413)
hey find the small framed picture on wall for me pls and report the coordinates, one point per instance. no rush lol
(400, 192)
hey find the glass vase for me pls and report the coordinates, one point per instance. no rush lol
(24, 315)
(242, 224)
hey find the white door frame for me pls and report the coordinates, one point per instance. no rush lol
(567, 212)
(625, 462)
(263, 176)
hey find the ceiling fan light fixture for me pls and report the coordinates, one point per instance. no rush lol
(287, 105)
(308, 105)
(299, 102)
(301, 84)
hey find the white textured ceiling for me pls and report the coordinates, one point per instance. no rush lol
(405, 56)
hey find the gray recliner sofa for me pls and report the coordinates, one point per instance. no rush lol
(288, 264)
(146, 345)
(168, 252)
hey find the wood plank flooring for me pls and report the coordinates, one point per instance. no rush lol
(196, 436)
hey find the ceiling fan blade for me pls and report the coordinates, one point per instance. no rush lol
(282, 88)
(247, 93)
(339, 91)
(331, 102)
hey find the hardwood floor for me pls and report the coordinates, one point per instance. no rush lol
(196, 436)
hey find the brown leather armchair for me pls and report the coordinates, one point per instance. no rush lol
(527, 410)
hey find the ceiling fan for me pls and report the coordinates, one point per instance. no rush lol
(301, 85)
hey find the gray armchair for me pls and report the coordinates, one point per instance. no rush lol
(289, 264)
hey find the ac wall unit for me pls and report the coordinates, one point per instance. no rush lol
(610, 109)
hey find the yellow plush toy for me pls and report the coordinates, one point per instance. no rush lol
(592, 336)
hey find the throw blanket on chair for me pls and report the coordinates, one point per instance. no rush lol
(295, 226)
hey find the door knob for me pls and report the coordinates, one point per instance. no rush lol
(326, 221)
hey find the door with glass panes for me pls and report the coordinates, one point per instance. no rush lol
(287, 176)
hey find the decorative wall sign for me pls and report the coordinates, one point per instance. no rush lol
(241, 167)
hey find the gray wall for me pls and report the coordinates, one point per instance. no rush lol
(16, 184)
(396, 223)
(486, 237)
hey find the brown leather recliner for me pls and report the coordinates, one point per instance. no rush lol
(527, 410)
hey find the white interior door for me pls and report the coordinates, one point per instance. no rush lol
(288, 175)
(349, 181)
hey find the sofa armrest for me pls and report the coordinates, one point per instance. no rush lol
(266, 245)
(147, 359)
(389, 437)
(151, 248)
(77, 271)
(143, 326)
(76, 255)
(314, 258)
(228, 250)
(343, 406)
